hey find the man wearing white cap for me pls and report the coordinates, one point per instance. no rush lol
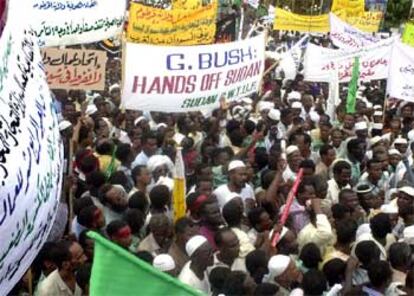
(284, 273)
(293, 158)
(237, 175)
(194, 272)
(405, 203)
(165, 263)
(273, 135)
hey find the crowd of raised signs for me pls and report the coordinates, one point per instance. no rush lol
(349, 230)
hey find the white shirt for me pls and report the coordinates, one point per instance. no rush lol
(187, 276)
(288, 174)
(223, 190)
(141, 159)
(332, 196)
(53, 285)
(238, 264)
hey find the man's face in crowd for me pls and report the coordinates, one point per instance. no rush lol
(350, 200)
(367, 200)
(189, 232)
(394, 159)
(123, 237)
(223, 158)
(150, 146)
(383, 159)
(336, 138)
(330, 157)
(265, 222)
(405, 203)
(238, 177)
(290, 243)
(117, 198)
(349, 121)
(163, 235)
(78, 257)
(344, 177)
(205, 187)
(212, 214)
(206, 173)
(230, 245)
(359, 151)
(362, 134)
(307, 101)
(204, 255)
(144, 177)
(308, 194)
(401, 147)
(375, 171)
(294, 160)
(324, 133)
(395, 127)
(407, 112)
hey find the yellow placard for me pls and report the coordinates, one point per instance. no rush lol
(186, 4)
(369, 21)
(408, 35)
(353, 7)
(285, 20)
(172, 27)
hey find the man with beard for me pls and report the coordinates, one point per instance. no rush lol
(69, 257)
(294, 159)
(160, 238)
(356, 153)
(115, 201)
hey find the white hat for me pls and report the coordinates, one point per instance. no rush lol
(160, 125)
(139, 119)
(377, 107)
(277, 266)
(164, 262)
(361, 125)
(274, 114)
(194, 243)
(223, 199)
(294, 95)
(407, 190)
(368, 104)
(378, 126)
(389, 209)
(113, 87)
(265, 105)
(91, 109)
(378, 113)
(296, 105)
(363, 230)
(375, 140)
(393, 152)
(408, 235)
(400, 140)
(314, 116)
(291, 149)
(64, 124)
(235, 164)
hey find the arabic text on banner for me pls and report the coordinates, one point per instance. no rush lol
(408, 35)
(369, 21)
(400, 82)
(58, 22)
(186, 4)
(191, 78)
(319, 62)
(31, 160)
(172, 27)
(285, 20)
(75, 68)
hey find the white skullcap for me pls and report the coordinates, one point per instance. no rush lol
(164, 262)
(369, 104)
(389, 209)
(64, 124)
(247, 100)
(223, 199)
(408, 235)
(139, 119)
(160, 125)
(277, 266)
(91, 109)
(375, 140)
(253, 119)
(400, 140)
(378, 113)
(235, 164)
(113, 87)
(274, 114)
(194, 243)
(294, 95)
(378, 126)
(296, 105)
(291, 149)
(407, 190)
(394, 152)
(377, 107)
(265, 105)
(363, 230)
(361, 125)
(314, 116)
(156, 161)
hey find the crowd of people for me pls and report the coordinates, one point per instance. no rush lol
(350, 228)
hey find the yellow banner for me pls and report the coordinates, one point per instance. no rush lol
(408, 35)
(285, 20)
(172, 27)
(186, 4)
(353, 7)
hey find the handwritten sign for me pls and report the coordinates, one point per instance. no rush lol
(75, 69)
(320, 62)
(30, 154)
(285, 20)
(400, 83)
(186, 4)
(191, 78)
(369, 21)
(408, 35)
(67, 22)
(347, 37)
(172, 27)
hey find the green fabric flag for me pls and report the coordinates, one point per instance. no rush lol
(116, 271)
(408, 35)
(352, 88)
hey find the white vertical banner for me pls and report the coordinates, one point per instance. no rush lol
(400, 83)
(31, 158)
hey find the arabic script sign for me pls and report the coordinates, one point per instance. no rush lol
(75, 69)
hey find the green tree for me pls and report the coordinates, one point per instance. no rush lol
(398, 12)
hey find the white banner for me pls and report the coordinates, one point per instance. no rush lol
(291, 60)
(400, 83)
(30, 154)
(191, 78)
(374, 62)
(68, 22)
(347, 37)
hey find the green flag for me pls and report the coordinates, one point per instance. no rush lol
(116, 271)
(352, 88)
